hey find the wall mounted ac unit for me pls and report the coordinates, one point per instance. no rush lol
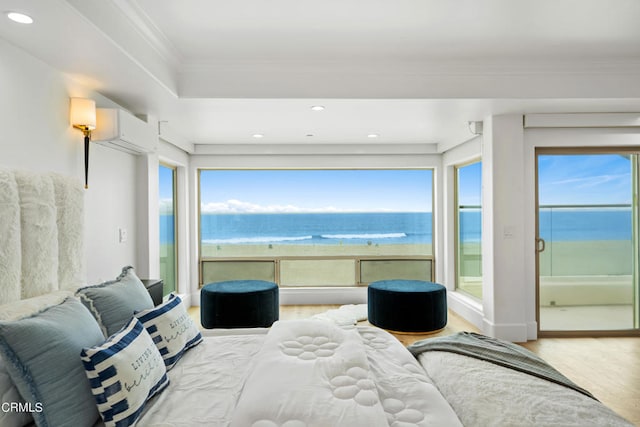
(123, 131)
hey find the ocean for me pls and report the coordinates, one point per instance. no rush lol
(317, 228)
(392, 228)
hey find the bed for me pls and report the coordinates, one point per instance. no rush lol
(78, 355)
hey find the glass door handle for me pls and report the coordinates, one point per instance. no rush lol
(540, 244)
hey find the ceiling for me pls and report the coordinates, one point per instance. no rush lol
(408, 71)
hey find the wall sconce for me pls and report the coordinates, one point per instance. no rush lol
(82, 115)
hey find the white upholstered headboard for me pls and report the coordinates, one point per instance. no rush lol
(41, 234)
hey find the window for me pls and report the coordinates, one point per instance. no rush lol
(316, 227)
(168, 247)
(469, 229)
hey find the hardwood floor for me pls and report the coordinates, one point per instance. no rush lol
(608, 367)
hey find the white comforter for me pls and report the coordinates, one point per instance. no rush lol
(205, 384)
(301, 373)
(312, 373)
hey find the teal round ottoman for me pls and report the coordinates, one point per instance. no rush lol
(239, 304)
(407, 305)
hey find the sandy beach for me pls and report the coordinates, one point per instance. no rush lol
(578, 257)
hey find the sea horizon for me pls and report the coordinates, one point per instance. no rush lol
(317, 228)
(390, 227)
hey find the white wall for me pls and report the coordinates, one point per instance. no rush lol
(148, 225)
(503, 229)
(34, 104)
(35, 135)
(110, 205)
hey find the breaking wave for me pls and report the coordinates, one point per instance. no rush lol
(364, 236)
(262, 239)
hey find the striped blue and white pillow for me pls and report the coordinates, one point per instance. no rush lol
(171, 328)
(124, 372)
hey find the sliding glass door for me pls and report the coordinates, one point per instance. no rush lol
(587, 241)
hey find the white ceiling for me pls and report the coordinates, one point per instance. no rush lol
(411, 71)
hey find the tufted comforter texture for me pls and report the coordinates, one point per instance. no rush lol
(313, 373)
(300, 373)
(307, 373)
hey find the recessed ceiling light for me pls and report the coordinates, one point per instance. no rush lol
(317, 108)
(258, 135)
(373, 135)
(20, 18)
(309, 134)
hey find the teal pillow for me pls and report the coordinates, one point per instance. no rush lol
(42, 355)
(113, 303)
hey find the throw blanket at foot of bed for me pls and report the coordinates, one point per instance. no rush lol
(501, 353)
(490, 382)
(313, 373)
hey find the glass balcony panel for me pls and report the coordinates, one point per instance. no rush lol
(220, 270)
(374, 270)
(586, 269)
(317, 272)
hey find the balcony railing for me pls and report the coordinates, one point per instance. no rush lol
(300, 271)
(586, 240)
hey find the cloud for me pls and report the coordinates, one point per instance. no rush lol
(238, 206)
(166, 206)
(591, 181)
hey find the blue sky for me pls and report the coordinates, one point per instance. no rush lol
(165, 189)
(316, 190)
(563, 179)
(470, 184)
(584, 179)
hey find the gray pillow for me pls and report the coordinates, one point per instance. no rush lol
(42, 355)
(20, 416)
(113, 303)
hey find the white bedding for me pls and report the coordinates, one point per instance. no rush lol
(205, 384)
(312, 373)
(491, 395)
(301, 373)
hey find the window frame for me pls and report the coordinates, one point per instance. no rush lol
(176, 219)
(457, 237)
(276, 260)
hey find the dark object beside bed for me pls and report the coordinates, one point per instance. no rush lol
(407, 305)
(239, 304)
(154, 287)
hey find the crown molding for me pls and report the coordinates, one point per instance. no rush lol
(149, 31)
